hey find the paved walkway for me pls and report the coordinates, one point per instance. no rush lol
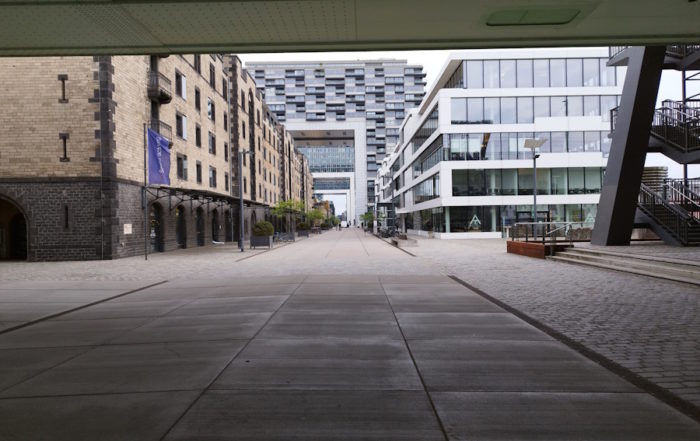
(647, 325)
(339, 337)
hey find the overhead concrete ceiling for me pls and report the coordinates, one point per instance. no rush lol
(67, 27)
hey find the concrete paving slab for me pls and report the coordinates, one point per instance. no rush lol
(152, 295)
(25, 312)
(143, 417)
(341, 299)
(520, 376)
(55, 333)
(441, 303)
(17, 365)
(332, 317)
(78, 285)
(309, 416)
(114, 309)
(560, 416)
(428, 290)
(469, 326)
(249, 290)
(7, 325)
(492, 350)
(196, 328)
(56, 295)
(331, 330)
(369, 279)
(319, 374)
(229, 305)
(416, 279)
(133, 368)
(380, 348)
(359, 289)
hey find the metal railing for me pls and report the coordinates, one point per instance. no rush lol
(682, 50)
(164, 129)
(550, 233)
(670, 216)
(676, 123)
(685, 193)
(159, 84)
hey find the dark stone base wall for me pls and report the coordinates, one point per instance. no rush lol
(44, 204)
(96, 227)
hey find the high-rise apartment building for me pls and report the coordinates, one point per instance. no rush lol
(461, 168)
(343, 115)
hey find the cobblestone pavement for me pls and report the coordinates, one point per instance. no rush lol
(650, 326)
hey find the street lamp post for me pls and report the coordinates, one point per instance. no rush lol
(241, 155)
(534, 144)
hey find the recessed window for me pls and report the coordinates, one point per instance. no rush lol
(212, 143)
(197, 99)
(182, 167)
(212, 76)
(181, 125)
(198, 135)
(180, 85)
(212, 177)
(199, 172)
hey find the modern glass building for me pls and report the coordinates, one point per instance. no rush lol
(460, 168)
(324, 95)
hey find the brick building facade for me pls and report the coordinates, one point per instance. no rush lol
(72, 155)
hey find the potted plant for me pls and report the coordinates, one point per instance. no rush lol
(262, 234)
(303, 229)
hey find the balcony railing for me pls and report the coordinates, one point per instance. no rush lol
(682, 50)
(159, 87)
(164, 129)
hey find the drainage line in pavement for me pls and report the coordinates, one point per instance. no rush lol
(678, 403)
(263, 252)
(395, 246)
(78, 308)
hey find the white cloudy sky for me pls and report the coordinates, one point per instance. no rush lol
(433, 62)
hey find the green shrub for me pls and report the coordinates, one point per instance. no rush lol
(263, 228)
(302, 226)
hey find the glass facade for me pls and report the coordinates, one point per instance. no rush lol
(329, 159)
(427, 190)
(332, 184)
(523, 110)
(569, 72)
(517, 182)
(510, 145)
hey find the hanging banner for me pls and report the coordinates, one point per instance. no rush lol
(158, 159)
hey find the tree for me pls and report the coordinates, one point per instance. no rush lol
(368, 219)
(315, 216)
(288, 209)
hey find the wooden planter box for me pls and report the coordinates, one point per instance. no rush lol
(261, 241)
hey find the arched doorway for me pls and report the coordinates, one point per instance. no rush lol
(229, 226)
(13, 232)
(155, 220)
(180, 227)
(215, 225)
(199, 223)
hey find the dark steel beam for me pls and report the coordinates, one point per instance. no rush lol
(623, 175)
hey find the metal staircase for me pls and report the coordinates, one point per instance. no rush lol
(672, 214)
(675, 130)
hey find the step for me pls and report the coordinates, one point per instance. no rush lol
(690, 263)
(684, 271)
(625, 270)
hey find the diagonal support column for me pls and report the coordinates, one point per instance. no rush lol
(630, 140)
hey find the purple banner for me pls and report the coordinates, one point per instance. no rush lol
(158, 159)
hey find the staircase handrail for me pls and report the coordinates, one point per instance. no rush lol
(678, 188)
(678, 222)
